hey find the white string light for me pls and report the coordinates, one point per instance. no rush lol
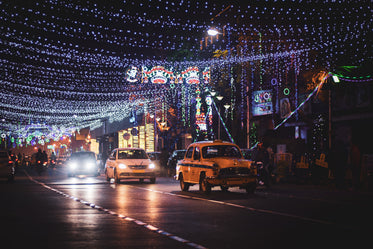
(62, 62)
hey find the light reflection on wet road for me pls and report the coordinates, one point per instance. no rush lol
(92, 212)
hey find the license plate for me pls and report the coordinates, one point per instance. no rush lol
(139, 171)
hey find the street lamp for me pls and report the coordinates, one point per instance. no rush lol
(219, 98)
(212, 32)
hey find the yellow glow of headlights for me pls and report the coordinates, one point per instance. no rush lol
(152, 166)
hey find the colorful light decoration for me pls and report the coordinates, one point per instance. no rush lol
(77, 72)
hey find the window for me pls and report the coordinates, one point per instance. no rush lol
(196, 155)
(113, 155)
(122, 155)
(189, 153)
(136, 154)
(220, 151)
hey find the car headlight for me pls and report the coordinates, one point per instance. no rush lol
(122, 166)
(73, 165)
(152, 166)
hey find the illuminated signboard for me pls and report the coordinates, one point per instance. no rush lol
(201, 122)
(162, 75)
(133, 74)
(262, 103)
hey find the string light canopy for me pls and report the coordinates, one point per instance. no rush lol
(63, 63)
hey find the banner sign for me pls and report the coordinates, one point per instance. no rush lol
(162, 75)
(262, 103)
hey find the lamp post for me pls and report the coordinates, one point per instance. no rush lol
(219, 98)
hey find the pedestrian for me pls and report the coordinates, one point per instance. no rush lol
(261, 157)
(163, 160)
(20, 158)
(45, 157)
(39, 161)
(53, 156)
(271, 161)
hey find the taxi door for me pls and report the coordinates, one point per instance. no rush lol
(110, 164)
(196, 162)
(186, 163)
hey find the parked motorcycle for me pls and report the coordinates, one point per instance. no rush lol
(264, 178)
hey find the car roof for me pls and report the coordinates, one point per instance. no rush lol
(215, 142)
(129, 148)
(83, 152)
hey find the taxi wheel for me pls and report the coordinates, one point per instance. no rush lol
(183, 185)
(250, 188)
(224, 188)
(116, 177)
(204, 186)
(107, 176)
(152, 180)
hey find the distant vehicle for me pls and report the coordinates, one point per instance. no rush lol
(216, 163)
(129, 163)
(155, 157)
(33, 160)
(7, 167)
(82, 163)
(172, 161)
(61, 159)
(27, 160)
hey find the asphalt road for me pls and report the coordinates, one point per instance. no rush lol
(55, 211)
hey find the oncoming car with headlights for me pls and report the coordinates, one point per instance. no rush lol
(129, 163)
(82, 163)
(215, 163)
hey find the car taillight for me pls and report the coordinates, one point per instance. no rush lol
(10, 162)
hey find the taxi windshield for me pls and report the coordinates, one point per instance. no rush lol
(220, 151)
(132, 154)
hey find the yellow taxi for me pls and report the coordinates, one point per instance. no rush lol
(215, 163)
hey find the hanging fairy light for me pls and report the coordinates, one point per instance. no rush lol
(67, 63)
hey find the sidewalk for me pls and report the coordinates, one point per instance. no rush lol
(326, 185)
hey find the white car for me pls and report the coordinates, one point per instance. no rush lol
(129, 163)
(82, 163)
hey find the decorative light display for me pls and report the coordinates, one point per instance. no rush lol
(315, 90)
(262, 103)
(74, 65)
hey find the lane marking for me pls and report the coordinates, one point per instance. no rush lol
(120, 216)
(246, 207)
